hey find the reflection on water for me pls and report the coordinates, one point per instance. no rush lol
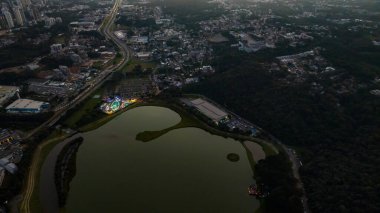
(185, 170)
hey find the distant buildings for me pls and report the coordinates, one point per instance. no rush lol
(27, 106)
(139, 39)
(10, 167)
(35, 12)
(144, 55)
(8, 18)
(19, 15)
(8, 136)
(3, 21)
(46, 87)
(83, 26)
(375, 92)
(120, 35)
(25, 3)
(56, 48)
(6, 93)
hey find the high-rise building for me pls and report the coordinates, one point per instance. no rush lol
(18, 12)
(43, 2)
(8, 17)
(4, 5)
(3, 21)
(18, 3)
(10, 3)
(56, 48)
(34, 12)
(25, 3)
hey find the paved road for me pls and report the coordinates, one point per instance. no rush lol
(33, 176)
(103, 76)
(59, 112)
(110, 35)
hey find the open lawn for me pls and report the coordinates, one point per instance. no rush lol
(60, 39)
(88, 105)
(134, 62)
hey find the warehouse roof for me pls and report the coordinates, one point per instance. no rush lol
(209, 109)
(25, 104)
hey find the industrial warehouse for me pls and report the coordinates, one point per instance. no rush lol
(27, 106)
(206, 108)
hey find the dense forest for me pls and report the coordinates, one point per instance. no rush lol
(275, 173)
(65, 169)
(336, 136)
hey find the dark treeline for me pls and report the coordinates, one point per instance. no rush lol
(65, 169)
(275, 173)
(23, 121)
(337, 136)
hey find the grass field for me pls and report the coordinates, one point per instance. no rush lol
(88, 105)
(134, 62)
(59, 39)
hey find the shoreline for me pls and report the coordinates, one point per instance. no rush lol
(60, 140)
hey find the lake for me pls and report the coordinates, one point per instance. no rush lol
(184, 170)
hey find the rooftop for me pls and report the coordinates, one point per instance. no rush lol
(25, 104)
(209, 109)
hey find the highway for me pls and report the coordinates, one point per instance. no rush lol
(61, 110)
(110, 35)
(103, 76)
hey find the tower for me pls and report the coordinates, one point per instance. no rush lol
(18, 15)
(3, 21)
(8, 17)
(25, 3)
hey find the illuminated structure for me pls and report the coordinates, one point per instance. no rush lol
(112, 105)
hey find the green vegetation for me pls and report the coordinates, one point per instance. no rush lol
(83, 111)
(190, 13)
(233, 157)
(125, 21)
(23, 122)
(60, 39)
(25, 53)
(25, 50)
(98, 65)
(65, 169)
(337, 134)
(53, 62)
(117, 58)
(276, 174)
(94, 124)
(135, 65)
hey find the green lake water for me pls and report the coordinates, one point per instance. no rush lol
(185, 170)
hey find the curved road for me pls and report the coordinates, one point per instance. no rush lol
(110, 35)
(103, 76)
(33, 175)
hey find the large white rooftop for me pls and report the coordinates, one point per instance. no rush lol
(209, 109)
(25, 104)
